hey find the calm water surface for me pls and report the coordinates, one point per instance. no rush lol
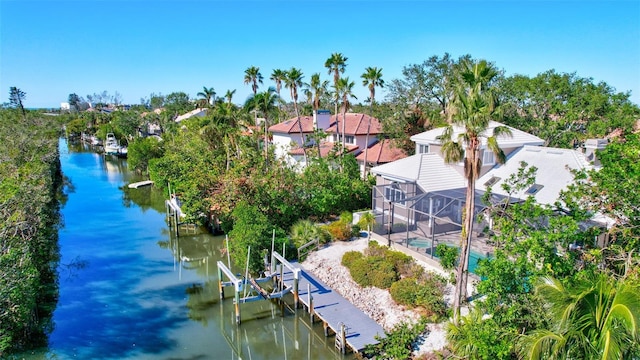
(130, 290)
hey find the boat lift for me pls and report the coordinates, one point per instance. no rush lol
(240, 285)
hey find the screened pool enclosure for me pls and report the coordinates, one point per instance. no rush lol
(406, 215)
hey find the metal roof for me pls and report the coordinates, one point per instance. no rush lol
(518, 138)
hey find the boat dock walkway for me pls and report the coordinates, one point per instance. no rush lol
(335, 312)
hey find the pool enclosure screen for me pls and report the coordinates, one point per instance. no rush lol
(404, 214)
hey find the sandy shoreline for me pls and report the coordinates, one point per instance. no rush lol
(376, 303)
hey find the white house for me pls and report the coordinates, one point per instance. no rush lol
(288, 141)
(286, 135)
(427, 195)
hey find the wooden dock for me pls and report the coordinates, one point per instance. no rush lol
(335, 312)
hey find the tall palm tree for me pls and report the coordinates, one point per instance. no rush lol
(318, 88)
(278, 76)
(597, 318)
(345, 92)
(253, 77)
(293, 81)
(336, 64)
(472, 108)
(265, 103)
(207, 95)
(371, 78)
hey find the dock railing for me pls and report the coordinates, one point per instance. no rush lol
(304, 250)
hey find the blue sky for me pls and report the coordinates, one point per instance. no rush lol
(52, 48)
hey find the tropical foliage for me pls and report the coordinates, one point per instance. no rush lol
(30, 189)
(593, 318)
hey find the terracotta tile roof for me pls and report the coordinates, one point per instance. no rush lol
(291, 126)
(355, 124)
(325, 148)
(382, 152)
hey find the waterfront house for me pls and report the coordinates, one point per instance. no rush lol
(288, 141)
(422, 196)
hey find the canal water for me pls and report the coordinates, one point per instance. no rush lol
(129, 289)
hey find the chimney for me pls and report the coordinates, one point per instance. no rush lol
(322, 119)
(590, 148)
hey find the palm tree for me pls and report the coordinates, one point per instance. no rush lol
(345, 92)
(472, 108)
(336, 64)
(229, 96)
(264, 102)
(293, 81)
(318, 89)
(207, 94)
(367, 221)
(596, 318)
(304, 231)
(371, 78)
(253, 77)
(278, 76)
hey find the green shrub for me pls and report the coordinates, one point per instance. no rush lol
(399, 259)
(350, 256)
(426, 292)
(373, 271)
(355, 230)
(448, 256)
(359, 271)
(383, 275)
(404, 291)
(375, 249)
(398, 343)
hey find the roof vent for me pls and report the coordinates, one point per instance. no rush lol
(534, 189)
(492, 181)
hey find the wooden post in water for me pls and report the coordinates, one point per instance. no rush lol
(220, 286)
(296, 297)
(237, 303)
(310, 301)
(343, 338)
(175, 219)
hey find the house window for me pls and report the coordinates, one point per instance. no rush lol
(534, 189)
(488, 157)
(423, 149)
(394, 194)
(492, 181)
(350, 139)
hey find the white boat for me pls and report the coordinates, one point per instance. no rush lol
(112, 146)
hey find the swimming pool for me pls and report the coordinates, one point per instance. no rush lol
(474, 256)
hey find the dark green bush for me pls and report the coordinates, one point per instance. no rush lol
(355, 230)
